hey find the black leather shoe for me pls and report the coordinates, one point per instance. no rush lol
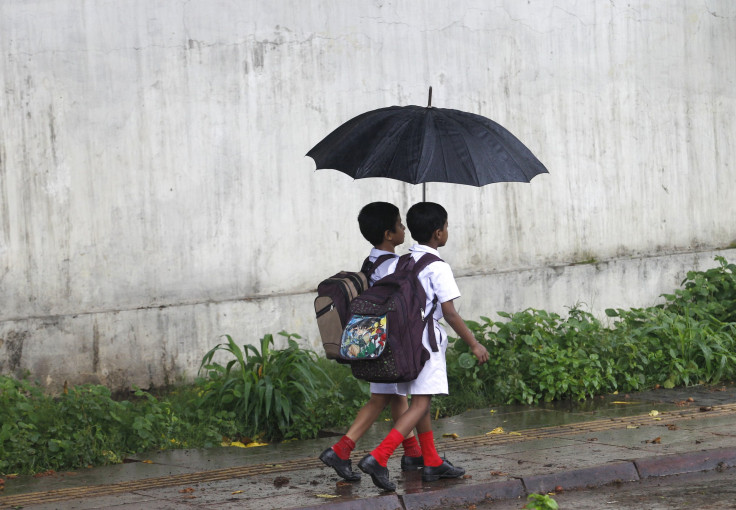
(444, 470)
(343, 468)
(379, 474)
(411, 463)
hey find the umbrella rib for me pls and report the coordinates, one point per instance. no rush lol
(397, 131)
(503, 131)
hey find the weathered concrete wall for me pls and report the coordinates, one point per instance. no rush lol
(154, 192)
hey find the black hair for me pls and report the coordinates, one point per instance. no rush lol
(424, 218)
(375, 219)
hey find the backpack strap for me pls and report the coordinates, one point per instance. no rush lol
(368, 267)
(419, 266)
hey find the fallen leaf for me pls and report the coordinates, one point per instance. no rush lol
(147, 461)
(189, 496)
(690, 399)
(671, 426)
(467, 477)
(514, 433)
(42, 474)
(657, 419)
(706, 408)
(452, 435)
(492, 411)
(11, 476)
(237, 492)
(472, 507)
(497, 430)
(498, 473)
(326, 496)
(187, 490)
(341, 484)
(559, 488)
(621, 402)
(656, 440)
(254, 444)
(653, 412)
(632, 426)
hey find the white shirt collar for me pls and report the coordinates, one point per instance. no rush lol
(424, 248)
(375, 252)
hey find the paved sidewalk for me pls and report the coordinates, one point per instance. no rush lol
(507, 451)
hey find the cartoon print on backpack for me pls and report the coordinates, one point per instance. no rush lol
(364, 337)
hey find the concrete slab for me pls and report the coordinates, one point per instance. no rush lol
(117, 502)
(97, 476)
(569, 457)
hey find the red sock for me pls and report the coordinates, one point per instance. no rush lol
(344, 447)
(429, 452)
(411, 447)
(384, 450)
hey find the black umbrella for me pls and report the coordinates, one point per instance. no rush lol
(419, 144)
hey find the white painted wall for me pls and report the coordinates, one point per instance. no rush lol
(154, 192)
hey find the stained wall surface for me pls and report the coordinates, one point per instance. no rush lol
(154, 192)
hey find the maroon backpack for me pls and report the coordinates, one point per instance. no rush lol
(333, 298)
(382, 340)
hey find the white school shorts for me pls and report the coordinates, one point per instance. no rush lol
(386, 389)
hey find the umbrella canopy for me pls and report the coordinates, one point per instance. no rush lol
(419, 144)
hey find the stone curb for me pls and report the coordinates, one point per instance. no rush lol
(626, 471)
(705, 460)
(463, 495)
(580, 478)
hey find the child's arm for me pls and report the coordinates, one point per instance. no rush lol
(458, 324)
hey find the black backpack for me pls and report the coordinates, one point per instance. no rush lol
(333, 298)
(382, 340)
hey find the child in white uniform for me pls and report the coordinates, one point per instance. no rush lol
(380, 223)
(427, 223)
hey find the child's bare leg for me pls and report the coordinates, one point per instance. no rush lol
(375, 463)
(368, 414)
(338, 456)
(412, 458)
(435, 467)
(418, 408)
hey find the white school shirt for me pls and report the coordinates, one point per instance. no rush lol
(437, 280)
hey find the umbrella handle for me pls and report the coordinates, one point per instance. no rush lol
(429, 102)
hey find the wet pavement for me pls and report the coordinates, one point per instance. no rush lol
(507, 451)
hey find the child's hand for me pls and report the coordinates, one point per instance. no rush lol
(480, 352)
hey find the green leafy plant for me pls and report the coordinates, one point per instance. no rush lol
(265, 388)
(541, 356)
(541, 502)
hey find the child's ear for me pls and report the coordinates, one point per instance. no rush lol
(387, 235)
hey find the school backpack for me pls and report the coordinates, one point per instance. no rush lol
(382, 341)
(333, 298)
